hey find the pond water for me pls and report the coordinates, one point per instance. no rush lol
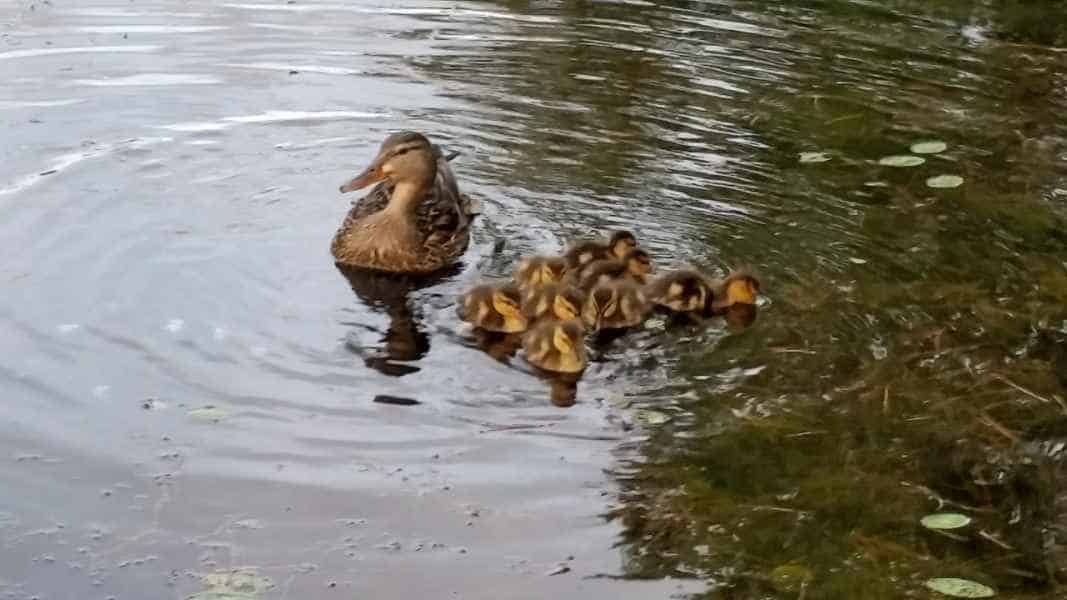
(189, 382)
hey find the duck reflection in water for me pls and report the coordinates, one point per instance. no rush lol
(404, 339)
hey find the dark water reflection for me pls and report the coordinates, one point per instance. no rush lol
(911, 358)
(189, 373)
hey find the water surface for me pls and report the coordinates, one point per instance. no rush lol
(190, 379)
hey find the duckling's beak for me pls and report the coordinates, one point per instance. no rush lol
(373, 174)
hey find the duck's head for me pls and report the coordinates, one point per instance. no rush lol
(568, 304)
(567, 336)
(622, 243)
(406, 157)
(740, 287)
(688, 293)
(505, 301)
(602, 302)
(638, 264)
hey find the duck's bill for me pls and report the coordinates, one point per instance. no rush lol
(371, 175)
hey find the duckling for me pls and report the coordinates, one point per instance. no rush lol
(554, 300)
(500, 346)
(635, 265)
(556, 346)
(739, 287)
(493, 308)
(615, 304)
(584, 253)
(684, 291)
(535, 271)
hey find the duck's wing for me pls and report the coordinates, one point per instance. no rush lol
(445, 213)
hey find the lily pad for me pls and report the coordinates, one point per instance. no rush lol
(945, 521)
(929, 147)
(241, 584)
(814, 157)
(790, 579)
(945, 181)
(651, 417)
(209, 413)
(901, 160)
(960, 588)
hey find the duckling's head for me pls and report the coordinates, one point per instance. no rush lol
(638, 264)
(602, 302)
(688, 293)
(740, 287)
(621, 243)
(568, 304)
(406, 157)
(540, 270)
(567, 336)
(506, 302)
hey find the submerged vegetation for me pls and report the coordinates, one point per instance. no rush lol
(909, 166)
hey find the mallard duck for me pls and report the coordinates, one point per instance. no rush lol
(739, 287)
(533, 271)
(493, 308)
(635, 265)
(583, 253)
(684, 291)
(415, 220)
(556, 346)
(554, 300)
(615, 304)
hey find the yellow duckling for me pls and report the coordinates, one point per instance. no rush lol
(635, 265)
(684, 291)
(556, 346)
(583, 253)
(554, 301)
(615, 304)
(739, 287)
(494, 308)
(534, 271)
(500, 346)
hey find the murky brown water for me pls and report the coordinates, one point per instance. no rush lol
(189, 380)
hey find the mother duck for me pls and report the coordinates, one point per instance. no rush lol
(414, 221)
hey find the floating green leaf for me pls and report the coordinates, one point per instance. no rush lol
(790, 578)
(901, 160)
(945, 181)
(651, 417)
(241, 584)
(814, 157)
(929, 147)
(960, 588)
(945, 521)
(209, 413)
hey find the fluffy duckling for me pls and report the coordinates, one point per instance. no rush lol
(615, 304)
(556, 346)
(500, 346)
(554, 300)
(685, 291)
(739, 287)
(494, 308)
(583, 253)
(635, 265)
(534, 271)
